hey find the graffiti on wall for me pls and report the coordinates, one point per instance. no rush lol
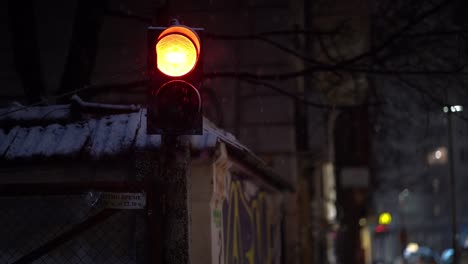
(245, 220)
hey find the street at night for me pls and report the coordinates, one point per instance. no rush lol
(234, 132)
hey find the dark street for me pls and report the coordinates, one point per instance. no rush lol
(234, 132)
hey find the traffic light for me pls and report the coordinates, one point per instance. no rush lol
(385, 219)
(176, 73)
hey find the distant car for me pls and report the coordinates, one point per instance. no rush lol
(423, 255)
(447, 256)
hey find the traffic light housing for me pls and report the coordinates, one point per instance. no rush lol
(175, 69)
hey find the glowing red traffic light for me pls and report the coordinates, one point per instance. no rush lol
(175, 67)
(177, 49)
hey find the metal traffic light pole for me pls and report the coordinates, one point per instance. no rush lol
(174, 175)
(174, 112)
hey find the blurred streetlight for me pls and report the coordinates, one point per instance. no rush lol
(438, 156)
(453, 108)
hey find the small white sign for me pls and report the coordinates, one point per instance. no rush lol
(123, 200)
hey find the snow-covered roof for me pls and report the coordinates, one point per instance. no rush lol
(60, 135)
(95, 138)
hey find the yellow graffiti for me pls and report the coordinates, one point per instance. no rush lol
(255, 251)
(234, 199)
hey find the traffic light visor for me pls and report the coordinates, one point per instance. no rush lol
(177, 50)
